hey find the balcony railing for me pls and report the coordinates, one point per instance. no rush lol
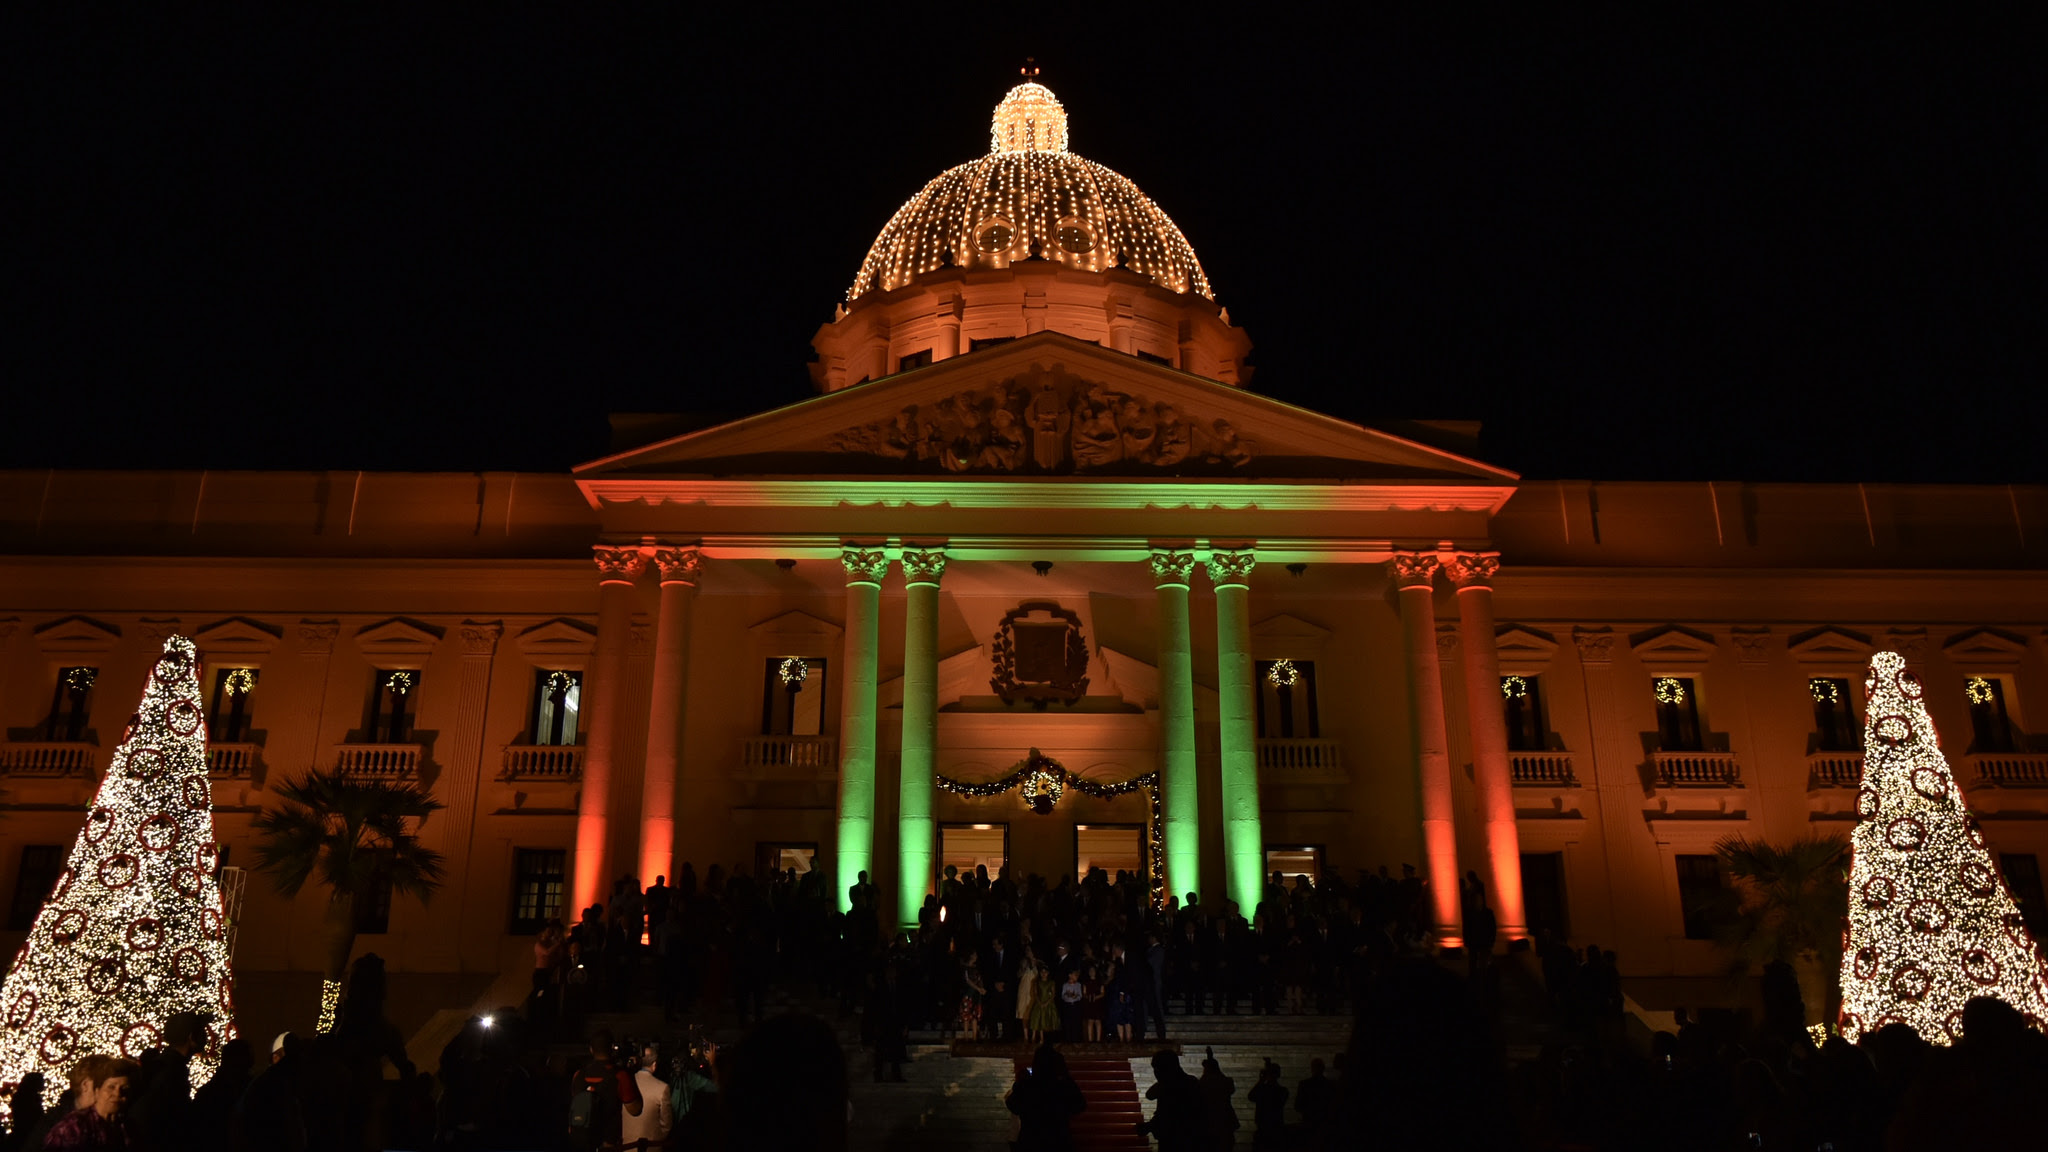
(2010, 769)
(1542, 769)
(231, 761)
(1834, 770)
(379, 761)
(559, 762)
(790, 756)
(1297, 757)
(1697, 770)
(47, 758)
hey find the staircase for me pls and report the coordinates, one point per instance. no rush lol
(1109, 1124)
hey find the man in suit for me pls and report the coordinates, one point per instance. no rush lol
(1000, 963)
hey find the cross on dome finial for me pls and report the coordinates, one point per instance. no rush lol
(1030, 118)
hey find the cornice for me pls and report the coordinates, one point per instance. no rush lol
(1124, 495)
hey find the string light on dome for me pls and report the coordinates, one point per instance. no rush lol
(1978, 689)
(1824, 691)
(1514, 687)
(1669, 690)
(1283, 674)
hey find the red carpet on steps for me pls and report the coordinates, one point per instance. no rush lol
(1110, 1122)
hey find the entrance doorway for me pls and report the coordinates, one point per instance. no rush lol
(968, 846)
(1111, 847)
(1295, 860)
(776, 856)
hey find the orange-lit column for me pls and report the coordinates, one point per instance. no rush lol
(1415, 575)
(1472, 574)
(617, 568)
(679, 568)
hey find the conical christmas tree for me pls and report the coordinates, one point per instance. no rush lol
(132, 932)
(1931, 925)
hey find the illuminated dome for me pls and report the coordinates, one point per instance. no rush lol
(1030, 197)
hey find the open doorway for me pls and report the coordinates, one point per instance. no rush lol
(1295, 860)
(968, 846)
(774, 856)
(1111, 847)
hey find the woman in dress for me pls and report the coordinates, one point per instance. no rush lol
(1027, 985)
(1045, 1006)
(1093, 1005)
(971, 992)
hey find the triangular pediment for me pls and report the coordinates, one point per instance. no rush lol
(1523, 651)
(237, 636)
(1830, 645)
(398, 638)
(76, 635)
(1984, 647)
(551, 642)
(1047, 405)
(797, 625)
(1288, 637)
(1672, 644)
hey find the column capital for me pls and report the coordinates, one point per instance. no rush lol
(1594, 647)
(480, 638)
(923, 565)
(1231, 566)
(1472, 569)
(679, 565)
(620, 563)
(864, 564)
(1413, 569)
(1171, 566)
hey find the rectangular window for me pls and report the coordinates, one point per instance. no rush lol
(228, 718)
(2023, 878)
(1834, 716)
(1699, 892)
(1678, 714)
(40, 864)
(1990, 726)
(557, 702)
(782, 857)
(1522, 704)
(538, 884)
(1293, 861)
(373, 908)
(1287, 699)
(71, 704)
(793, 696)
(915, 360)
(1543, 893)
(970, 846)
(392, 695)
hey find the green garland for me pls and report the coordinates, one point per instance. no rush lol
(1038, 761)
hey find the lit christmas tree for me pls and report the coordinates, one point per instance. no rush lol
(1931, 925)
(132, 931)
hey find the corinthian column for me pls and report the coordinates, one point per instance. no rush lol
(1180, 792)
(865, 568)
(1472, 574)
(918, 833)
(1414, 575)
(1244, 847)
(617, 569)
(666, 707)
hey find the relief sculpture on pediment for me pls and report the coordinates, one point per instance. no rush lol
(1049, 422)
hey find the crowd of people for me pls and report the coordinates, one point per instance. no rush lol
(1093, 961)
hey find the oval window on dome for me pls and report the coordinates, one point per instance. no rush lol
(1074, 238)
(994, 238)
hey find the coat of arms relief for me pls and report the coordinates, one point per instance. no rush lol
(1049, 422)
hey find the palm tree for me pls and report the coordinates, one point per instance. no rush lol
(1786, 904)
(350, 835)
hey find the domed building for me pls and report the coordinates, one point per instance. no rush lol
(1036, 583)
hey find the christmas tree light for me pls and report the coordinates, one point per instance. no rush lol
(1931, 924)
(133, 931)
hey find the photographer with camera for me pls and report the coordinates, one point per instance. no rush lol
(1045, 1100)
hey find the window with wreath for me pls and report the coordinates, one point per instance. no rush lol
(71, 706)
(1834, 716)
(557, 705)
(1287, 699)
(1678, 714)
(227, 719)
(1990, 725)
(793, 696)
(394, 694)
(1521, 699)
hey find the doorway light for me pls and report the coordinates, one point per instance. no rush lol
(982, 827)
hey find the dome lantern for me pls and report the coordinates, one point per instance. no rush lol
(1029, 119)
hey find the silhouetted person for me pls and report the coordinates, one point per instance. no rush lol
(271, 1116)
(162, 1112)
(1269, 1109)
(784, 1087)
(1177, 1122)
(1219, 1116)
(1315, 1098)
(1045, 1100)
(601, 1096)
(214, 1104)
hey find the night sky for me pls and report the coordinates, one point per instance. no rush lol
(1767, 252)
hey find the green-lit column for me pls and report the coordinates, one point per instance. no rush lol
(1244, 848)
(865, 568)
(919, 835)
(1181, 800)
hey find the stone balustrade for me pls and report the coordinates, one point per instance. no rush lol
(543, 762)
(1834, 770)
(231, 761)
(1697, 770)
(1300, 758)
(790, 756)
(379, 761)
(1542, 769)
(47, 758)
(2009, 769)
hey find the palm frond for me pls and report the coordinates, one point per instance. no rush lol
(349, 833)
